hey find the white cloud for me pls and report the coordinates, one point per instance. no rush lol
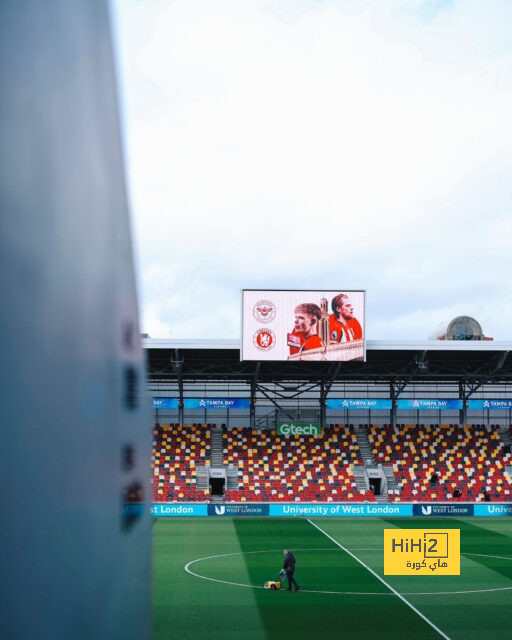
(326, 144)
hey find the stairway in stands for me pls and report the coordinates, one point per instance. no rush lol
(507, 440)
(216, 445)
(202, 478)
(505, 436)
(391, 480)
(216, 456)
(364, 446)
(369, 462)
(360, 478)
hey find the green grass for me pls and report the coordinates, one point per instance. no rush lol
(189, 607)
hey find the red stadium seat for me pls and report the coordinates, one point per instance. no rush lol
(176, 453)
(432, 462)
(273, 468)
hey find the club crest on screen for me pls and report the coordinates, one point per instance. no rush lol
(264, 311)
(264, 339)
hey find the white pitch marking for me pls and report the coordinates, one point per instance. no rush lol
(339, 593)
(254, 586)
(484, 555)
(445, 593)
(399, 595)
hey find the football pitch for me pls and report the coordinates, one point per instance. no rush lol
(209, 574)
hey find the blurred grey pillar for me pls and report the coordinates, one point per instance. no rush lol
(74, 425)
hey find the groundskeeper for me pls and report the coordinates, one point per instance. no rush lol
(289, 569)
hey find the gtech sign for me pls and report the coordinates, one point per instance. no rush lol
(299, 429)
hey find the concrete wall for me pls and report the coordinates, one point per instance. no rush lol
(74, 435)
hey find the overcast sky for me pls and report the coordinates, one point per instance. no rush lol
(320, 145)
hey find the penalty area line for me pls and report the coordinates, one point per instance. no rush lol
(399, 595)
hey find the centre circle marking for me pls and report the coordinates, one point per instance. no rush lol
(340, 593)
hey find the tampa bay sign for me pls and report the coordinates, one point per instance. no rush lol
(299, 429)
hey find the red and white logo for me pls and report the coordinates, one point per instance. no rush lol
(264, 339)
(264, 311)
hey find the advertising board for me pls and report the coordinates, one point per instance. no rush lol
(299, 429)
(165, 403)
(326, 509)
(493, 510)
(331, 509)
(178, 509)
(202, 403)
(296, 325)
(454, 509)
(237, 509)
(494, 404)
(359, 403)
(430, 404)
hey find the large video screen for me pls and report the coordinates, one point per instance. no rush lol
(303, 325)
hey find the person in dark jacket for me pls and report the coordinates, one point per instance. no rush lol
(289, 568)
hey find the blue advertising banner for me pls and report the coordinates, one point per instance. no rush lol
(358, 403)
(330, 509)
(178, 509)
(216, 403)
(490, 405)
(435, 404)
(237, 509)
(448, 509)
(496, 510)
(305, 510)
(202, 403)
(165, 403)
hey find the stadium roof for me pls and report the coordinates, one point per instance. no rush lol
(429, 361)
(371, 345)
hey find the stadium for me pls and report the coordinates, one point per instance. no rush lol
(417, 436)
(301, 481)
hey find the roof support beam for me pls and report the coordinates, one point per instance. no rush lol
(327, 387)
(499, 361)
(254, 386)
(395, 389)
(276, 404)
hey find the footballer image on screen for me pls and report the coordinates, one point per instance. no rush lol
(303, 325)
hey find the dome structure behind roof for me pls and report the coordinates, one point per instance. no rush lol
(463, 328)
